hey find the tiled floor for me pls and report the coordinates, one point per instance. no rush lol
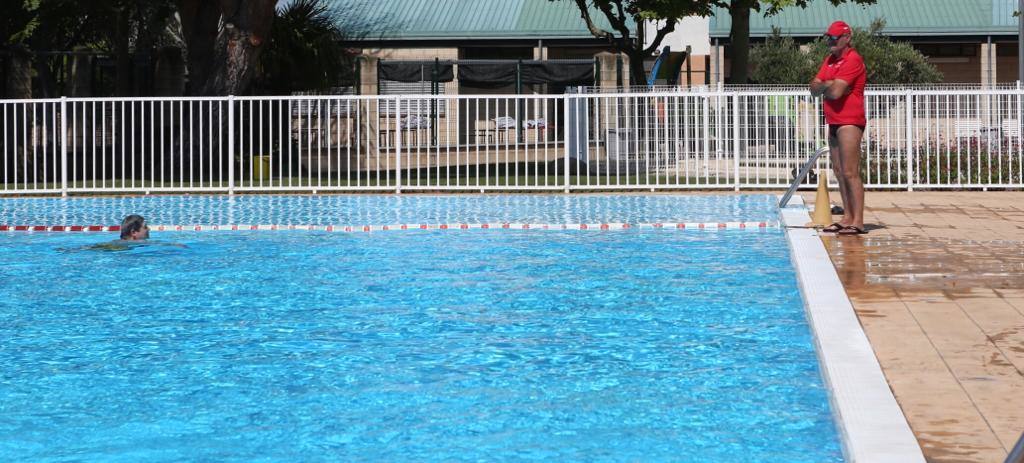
(938, 284)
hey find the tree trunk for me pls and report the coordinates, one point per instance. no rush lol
(637, 75)
(19, 80)
(169, 72)
(739, 41)
(81, 83)
(224, 40)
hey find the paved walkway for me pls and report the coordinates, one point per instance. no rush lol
(938, 285)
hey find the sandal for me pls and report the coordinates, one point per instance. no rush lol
(834, 228)
(851, 230)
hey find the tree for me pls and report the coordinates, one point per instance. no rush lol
(618, 13)
(305, 50)
(224, 39)
(887, 62)
(53, 24)
(61, 25)
(739, 31)
(780, 61)
(19, 22)
(16, 27)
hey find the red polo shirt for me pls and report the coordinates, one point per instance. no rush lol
(848, 109)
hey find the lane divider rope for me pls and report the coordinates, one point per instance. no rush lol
(380, 228)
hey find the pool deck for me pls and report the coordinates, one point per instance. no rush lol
(938, 286)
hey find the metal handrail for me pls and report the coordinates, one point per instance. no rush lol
(800, 176)
(1017, 454)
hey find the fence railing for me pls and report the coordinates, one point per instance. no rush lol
(668, 140)
(784, 88)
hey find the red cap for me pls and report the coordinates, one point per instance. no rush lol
(838, 28)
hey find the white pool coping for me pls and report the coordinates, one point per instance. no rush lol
(870, 422)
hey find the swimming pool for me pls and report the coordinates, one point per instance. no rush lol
(634, 344)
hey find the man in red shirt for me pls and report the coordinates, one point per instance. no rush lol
(840, 83)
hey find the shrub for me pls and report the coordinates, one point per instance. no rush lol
(971, 161)
(780, 61)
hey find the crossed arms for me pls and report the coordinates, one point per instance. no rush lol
(829, 89)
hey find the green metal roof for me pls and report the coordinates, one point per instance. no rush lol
(466, 19)
(902, 18)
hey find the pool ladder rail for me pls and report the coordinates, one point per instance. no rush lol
(1017, 454)
(800, 176)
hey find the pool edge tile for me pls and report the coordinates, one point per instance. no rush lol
(871, 423)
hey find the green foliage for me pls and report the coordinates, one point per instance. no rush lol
(976, 160)
(774, 6)
(887, 62)
(679, 9)
(660, 9)
(304, 52)
(740, 11)
(780, 61)
(19, 22)
(62, 25)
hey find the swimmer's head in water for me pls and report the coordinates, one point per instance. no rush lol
(134, 227)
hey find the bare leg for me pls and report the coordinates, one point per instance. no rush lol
(837, 170)
(849, 137)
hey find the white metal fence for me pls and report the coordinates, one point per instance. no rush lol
(665, 140)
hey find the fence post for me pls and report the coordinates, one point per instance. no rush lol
(398, 146)
(63, 146)
(736, 138)
(910, 140)
(1020, 132)
(231, 144)
(565, 138)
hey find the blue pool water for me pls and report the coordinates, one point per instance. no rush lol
(494, 345)
(379, 210)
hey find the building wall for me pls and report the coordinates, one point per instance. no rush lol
(547, 52)
(555, 52)
(1007, 69)
(1006, 62)
(691, 32)
(958, 62)
(469, 52)
(412, 53)
(699, 67)
(962, 69)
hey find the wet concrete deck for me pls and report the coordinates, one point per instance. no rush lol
(938, 285)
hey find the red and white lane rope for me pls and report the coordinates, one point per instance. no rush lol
(381, 228)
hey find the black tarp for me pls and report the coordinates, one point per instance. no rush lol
(558, 73)
(404, 71)
(489, 75)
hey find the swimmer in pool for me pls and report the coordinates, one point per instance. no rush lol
(134, 233)
(134, 228)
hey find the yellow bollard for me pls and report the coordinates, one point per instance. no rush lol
(261, 167)
(822, 206)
